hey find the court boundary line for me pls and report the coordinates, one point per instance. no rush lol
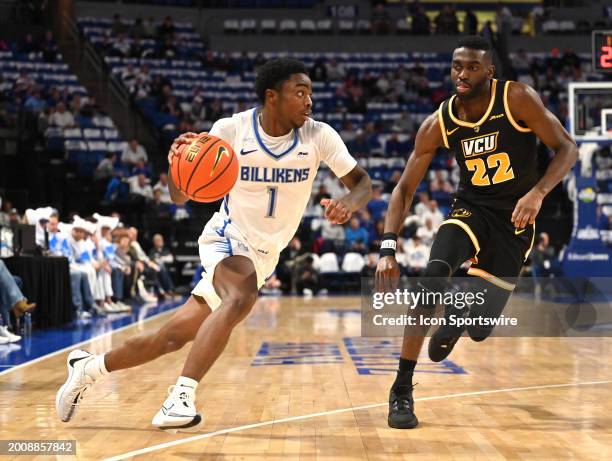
(245, 427)
(75, 345)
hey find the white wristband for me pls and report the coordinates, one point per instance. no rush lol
(390, 244)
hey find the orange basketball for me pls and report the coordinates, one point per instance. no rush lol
(206, 169)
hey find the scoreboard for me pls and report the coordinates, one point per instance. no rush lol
(602, 50)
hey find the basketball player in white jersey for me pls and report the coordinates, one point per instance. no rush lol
(279, 148)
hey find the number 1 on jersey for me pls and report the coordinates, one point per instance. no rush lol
(272, 192)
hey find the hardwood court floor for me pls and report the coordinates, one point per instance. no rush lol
(294, 362)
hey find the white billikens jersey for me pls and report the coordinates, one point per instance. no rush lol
(275, 176)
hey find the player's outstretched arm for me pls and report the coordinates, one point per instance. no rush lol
(428, 139)
(358, 182)
(527, 106)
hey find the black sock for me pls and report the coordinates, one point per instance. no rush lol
(404, 373)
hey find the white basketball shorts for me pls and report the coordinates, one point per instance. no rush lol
(222, 239)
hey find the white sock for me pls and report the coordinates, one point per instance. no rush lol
(96, 367)
(187, 382)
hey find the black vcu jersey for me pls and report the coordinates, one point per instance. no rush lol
(498, 165)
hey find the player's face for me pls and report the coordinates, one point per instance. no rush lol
(294, 100)
(470, 72)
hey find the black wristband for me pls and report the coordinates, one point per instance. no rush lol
(388, 244)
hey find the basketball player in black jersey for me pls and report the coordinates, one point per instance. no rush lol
(491, 126)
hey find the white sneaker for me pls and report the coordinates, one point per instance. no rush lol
(83, 315)
(5, 333)
(178, 411)
(78, 382)
(4, 340)
(122, 307)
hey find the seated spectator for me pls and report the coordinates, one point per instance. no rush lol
(162, 187)
(118, 27)
(377, 206)
(140, 188)
(357, 237)
(434, 214)
(308, 278)
(333, 237)
(392, 181)
(381, 20)
(59, 245)
(134, 153)
(446, 22)
(417, 256)
(369, 270)
(11, 299)
(149, 28)
(106, 167)
(335, 70)
(166, 29)
(158, 209)
(421, 25)
(162, 256)
(121, 47)
(422, 206)
(542, 257)
(427, 232)
(34, 102)
(62, 117)
(151, 271)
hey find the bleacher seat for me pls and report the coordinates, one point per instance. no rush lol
(324, 26)
(268, 26)
(346, 26)
(307, 26)
(248, 26)
(353, 262)
(231, 26)
(328, 262)
(288, 26)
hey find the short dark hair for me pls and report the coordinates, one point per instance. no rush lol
(274, 73)
(474, 42)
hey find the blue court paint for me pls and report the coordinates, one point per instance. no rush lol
(375, 356)
(43, 342)
(297, 354)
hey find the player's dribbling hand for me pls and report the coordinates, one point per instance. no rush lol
(185, 138)
(336, 211)
(387, 274)
(527, 208)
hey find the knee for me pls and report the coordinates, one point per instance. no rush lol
(238, 307)
(170, 341)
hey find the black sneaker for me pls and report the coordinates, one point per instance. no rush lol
(401, 408)
(442, 342)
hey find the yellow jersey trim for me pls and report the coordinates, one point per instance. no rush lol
(531, 245)
(509, 114)
(467, 230)
(442, 126)
(484, 117)
(491, 278)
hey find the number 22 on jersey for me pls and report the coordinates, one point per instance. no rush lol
(500, 162)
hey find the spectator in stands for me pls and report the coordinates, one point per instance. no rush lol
(48, 47)
(503, 20)
(11, 298)
(34, 102)
(162, 256)
(421, 24)
(137, 30)
(470, 22)
(106, 167)
(377, 206)
(162, 187)
(335, 70)
(433, 213)
(318, 73)
(149, 27)
(24, 82)
(381, 20)
(347, 133)
(121, 47)
(440, 183)
(6, 206)
(542, 257)
(157, 209)
(140, 188)
(28, 45)
(118, 27)
(417, 256)
(62, 118)
(375, 235)
(427, 232)
(82, 297)
(134, 153)
(394, 147)
(215, 111)
(369, 270)
(157, 276)
(166, 29)
(356, 102)
(357, 237)
(446, 21)
(308, 278)
(333, 237)
(392, 181)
